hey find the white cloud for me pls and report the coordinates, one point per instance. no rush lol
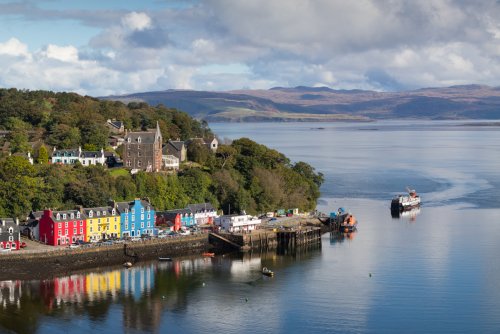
(13, 47)
(136, 21)
(62, 53)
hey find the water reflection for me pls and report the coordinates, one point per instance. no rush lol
(410, 215)
(133, 299)
(339, 237)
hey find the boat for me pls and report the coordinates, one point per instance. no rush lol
(208, 254)
(164, 259)
(127, 264)
(267, 272)
(405, 202)
(343, 220)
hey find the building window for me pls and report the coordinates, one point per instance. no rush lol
(81, 230)
(133, 226)
(115, 228)
(129, 163)
(126, 219)
(139, 163)
(107, 220)
(149, 216)
(133, 211)
(81, 222)
(133, 217)
(66, 224)
(139, 153)
(74, 231)
(72, 215)
(11, 239)
(59, 232)
(142, 210)
(98, 213)
(78, 215)
(142, 225)
(104, 213)
(126, 226)
(58, 216)
(64, 216)
(11, 230)
(90, 229)
(91, 214)
(99, 221)
(59, 225)
(138, 140)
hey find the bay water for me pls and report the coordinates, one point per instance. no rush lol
(431, 270)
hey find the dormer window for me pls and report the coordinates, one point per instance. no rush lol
(129, 139)
(148, 208)
(142, 210)
(11, 230)
(139, 140)
(133, 210)
(113, 212)
(103, 212)
(126, 210)
(72, 215)
(64, 216)
(98, 213)
(78, 215)
(58, 216)
(91, 214)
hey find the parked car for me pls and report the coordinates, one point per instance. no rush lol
(74, 246)
(5, 250)
(23, 244)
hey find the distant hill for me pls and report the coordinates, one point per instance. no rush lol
(322, 103)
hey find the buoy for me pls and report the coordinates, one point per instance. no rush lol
(370, 274)
(203, 284)
(246, 299)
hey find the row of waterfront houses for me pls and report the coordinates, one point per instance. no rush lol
(134, 219)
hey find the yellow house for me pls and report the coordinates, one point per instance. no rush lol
(102, 223)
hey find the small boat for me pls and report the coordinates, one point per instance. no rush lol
(165, 259)
(267, 272)
(405, 202)
(344, 220)
(127, 264)
(208, 254)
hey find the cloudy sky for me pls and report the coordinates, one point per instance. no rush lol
(102, 47)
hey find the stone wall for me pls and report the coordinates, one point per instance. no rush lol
(37, 265)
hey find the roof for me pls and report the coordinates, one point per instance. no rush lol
(67, 212)
(147, 137)
(176, 211)
(173, 146)
(121, 206)
(92, 154)
(107, 209)
(115, 123)
(66, 153)
(200, 207)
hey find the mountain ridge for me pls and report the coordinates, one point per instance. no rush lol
(304, 103)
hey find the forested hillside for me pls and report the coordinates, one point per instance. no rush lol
(243, 175)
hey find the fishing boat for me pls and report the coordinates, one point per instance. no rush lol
(127, 264)
(165, 259)
(405, 202)
(343, 220)
(208, 254)
(267, 272)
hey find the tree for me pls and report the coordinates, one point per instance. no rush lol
(43, 155)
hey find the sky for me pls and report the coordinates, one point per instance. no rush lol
(109, 47)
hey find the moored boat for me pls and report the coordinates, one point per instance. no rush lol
(267, 272)
(208, 254)
(344, 220)
(127, 264)
(164, 259)
(405, 202)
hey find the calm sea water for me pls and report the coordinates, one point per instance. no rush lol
(433, 270)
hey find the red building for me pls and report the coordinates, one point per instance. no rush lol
(169, 219)
(62, 227)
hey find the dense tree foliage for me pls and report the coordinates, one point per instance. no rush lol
(241, 176)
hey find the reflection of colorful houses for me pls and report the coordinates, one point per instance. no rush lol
(102, 223)
(100, 285)
(67, 289)
(137, 218)
(62, 227)
(10, 293)
(137, 280)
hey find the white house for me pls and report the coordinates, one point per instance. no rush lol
(238, 223)
(70, 157)
(204, 213)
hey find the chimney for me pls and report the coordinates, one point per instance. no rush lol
(17, 221)
(112, 203)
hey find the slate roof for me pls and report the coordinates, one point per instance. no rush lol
(173, 147)
(147, 137)
(201, 207)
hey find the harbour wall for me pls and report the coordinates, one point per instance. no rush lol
(39, 265)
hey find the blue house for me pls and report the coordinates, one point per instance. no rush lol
(137, 218)
(186, 216)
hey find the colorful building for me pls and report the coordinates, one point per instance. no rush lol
(62, 227)
(237, 223)
(204, 213)
(170, 220)
(137, 218)
(10, 234)
(102, 223)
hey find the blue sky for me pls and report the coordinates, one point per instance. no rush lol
(116, 47)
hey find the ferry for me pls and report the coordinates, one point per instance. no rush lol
(405, 202)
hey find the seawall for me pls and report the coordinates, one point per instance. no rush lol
(39, 265)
